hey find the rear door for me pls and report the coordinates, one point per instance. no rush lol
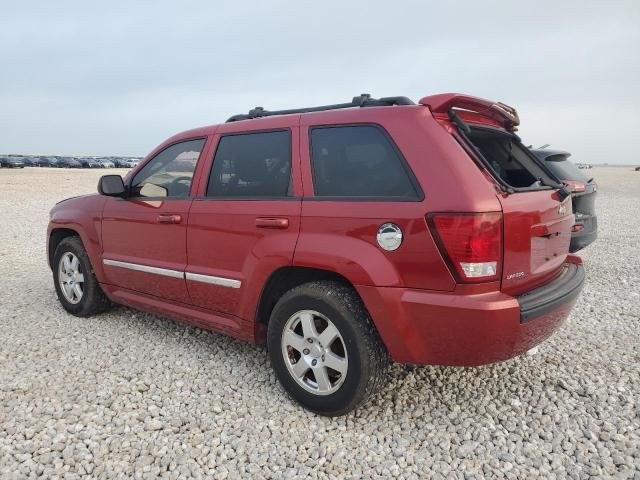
(245, 222)
(144, 236)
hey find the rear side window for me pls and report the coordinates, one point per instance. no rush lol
(252, 165)
(358, 161)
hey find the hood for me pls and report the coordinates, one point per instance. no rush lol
(76, 198)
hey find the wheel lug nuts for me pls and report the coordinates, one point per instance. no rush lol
(306, 351)
(314, 363)
(310, 340)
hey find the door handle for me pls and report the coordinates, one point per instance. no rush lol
(169, 218)
(272, 222)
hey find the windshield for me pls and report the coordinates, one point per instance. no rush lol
(564, 169)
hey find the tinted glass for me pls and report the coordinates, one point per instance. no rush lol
(169, 173)
(252, 165)
(357, 161)
(565, 169)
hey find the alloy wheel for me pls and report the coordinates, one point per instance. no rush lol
(70, 277)
(314, 352)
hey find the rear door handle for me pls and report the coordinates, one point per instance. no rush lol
(272, 222)
(169, 218)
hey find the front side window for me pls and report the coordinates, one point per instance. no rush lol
(252, 165)
(169, 174)
(358, 161)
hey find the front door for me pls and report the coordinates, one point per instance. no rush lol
(245, 224)
(144, 235)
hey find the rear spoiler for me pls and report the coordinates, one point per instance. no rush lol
(504, 114)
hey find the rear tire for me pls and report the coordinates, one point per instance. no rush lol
(341, 363)
(76, 285)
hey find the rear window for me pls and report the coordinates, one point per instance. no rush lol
(359, 161)
(508, 159)
(252, 165)
(564, 169)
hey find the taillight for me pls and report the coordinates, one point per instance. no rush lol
(470, 242)
(575, 186)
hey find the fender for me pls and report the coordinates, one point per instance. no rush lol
(83, 215)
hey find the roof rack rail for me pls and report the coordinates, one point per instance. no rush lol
(363, 100)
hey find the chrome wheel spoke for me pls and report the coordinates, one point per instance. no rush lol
(66, 264)
(336, 363)
(328, 335)
(322, 379)
(308, 325)
(300, 368)
(68, 290)
(294, 340)
(78, 277)
(77, 289)
(74, 263)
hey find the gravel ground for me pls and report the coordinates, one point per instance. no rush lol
(132, 395)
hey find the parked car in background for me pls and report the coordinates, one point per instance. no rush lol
(133, 162)
(67, 162)
(11, 162)
(89, 163)
(106, 163)
(120, 162)
(340, 236)
(583, 194)
(46, 162)
(29, 161)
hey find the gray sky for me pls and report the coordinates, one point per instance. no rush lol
(119, 77)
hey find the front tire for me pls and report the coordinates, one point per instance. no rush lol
(76, 285)
(324, 349)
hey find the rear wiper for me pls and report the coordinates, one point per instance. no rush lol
(455, 118)
(563, 190)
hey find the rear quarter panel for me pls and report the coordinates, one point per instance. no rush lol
(341, 235)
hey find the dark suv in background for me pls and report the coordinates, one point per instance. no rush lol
(583, 193)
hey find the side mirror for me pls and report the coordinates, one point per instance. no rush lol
(111, 185)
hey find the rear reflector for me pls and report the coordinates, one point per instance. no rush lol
(471, 243)
(577, 228)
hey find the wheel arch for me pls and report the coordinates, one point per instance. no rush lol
(284, 279)
(56, 236)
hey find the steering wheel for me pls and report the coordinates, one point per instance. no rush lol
(176, 186)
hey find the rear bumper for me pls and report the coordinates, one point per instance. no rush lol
(587, 235)
(554, 295)
(437, 328)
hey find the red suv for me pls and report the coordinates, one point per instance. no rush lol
(341, 236)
